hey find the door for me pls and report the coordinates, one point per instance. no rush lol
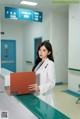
(8, 54)
(37, 41)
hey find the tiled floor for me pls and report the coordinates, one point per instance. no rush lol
(66, 103)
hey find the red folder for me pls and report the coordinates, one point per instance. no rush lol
(20, 81)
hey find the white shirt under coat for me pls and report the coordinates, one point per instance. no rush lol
(47, 81)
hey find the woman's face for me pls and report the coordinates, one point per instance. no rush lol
(43, 53)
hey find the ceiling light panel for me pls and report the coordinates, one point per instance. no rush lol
(28, 3)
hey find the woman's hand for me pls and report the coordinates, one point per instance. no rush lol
(33, 87)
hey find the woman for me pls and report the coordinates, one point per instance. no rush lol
(44, 66)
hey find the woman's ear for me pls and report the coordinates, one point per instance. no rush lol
(49, 53)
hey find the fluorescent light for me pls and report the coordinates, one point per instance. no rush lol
(28, 3)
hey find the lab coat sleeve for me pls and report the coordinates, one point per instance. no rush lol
(51, 79)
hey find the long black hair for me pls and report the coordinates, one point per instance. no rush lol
(50, 56)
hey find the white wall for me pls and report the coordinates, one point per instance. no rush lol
(13, 30)
(60, 45)
(74, 36)
(74, 48)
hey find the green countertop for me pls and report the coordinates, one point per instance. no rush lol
(40, 108)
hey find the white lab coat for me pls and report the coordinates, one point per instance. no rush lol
(47, 81)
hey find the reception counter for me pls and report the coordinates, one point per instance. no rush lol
(25, 106)
(5, 75)
(28, 107)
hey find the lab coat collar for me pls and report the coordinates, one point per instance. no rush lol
(44, 65)
(45, 62)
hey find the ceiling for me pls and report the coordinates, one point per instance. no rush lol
(43, 5)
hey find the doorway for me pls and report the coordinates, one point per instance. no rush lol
(37, 41)
(8, 55)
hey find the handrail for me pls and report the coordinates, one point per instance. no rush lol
(74, 69)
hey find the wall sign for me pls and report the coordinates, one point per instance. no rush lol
(23, 14)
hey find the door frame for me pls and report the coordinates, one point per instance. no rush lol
(35, 46)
